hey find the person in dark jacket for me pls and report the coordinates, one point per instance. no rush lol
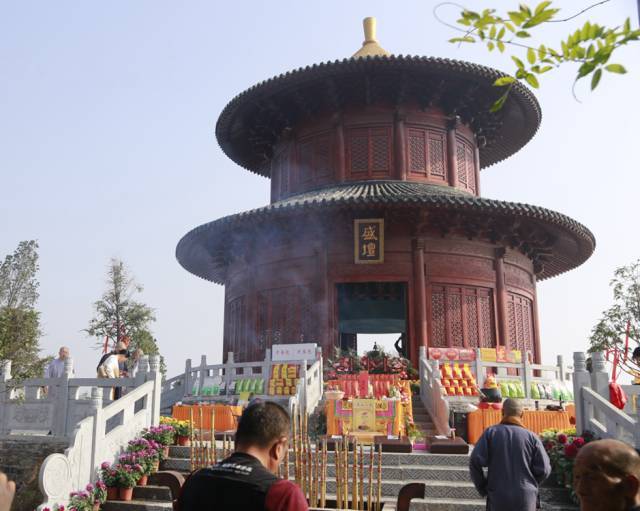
(606, 476)
(247, 479)
(516, 460)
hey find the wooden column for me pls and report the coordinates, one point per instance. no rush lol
(341, 153)
(477, 166)
(400, 147)
(536, 324)
(501, 300)
(420, 294)
(452, 159)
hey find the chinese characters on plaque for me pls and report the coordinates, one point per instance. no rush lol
(369, 240)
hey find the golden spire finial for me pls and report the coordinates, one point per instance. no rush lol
(370, 46)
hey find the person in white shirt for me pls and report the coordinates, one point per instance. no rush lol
(55, 369)
(110, 367)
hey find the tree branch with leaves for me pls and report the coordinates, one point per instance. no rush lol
(590, 47)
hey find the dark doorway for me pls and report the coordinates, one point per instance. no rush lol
(371, 308)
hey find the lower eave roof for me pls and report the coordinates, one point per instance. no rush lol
(200, 250)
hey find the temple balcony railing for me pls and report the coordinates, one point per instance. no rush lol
(594, 411)
(525, 371)
(432, 393)
(188, 386)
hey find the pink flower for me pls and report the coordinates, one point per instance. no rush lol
(105, 465)
(578, 442)
(562, 438)
(89, 487)
(101, 485)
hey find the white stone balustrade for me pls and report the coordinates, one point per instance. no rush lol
(594, 412)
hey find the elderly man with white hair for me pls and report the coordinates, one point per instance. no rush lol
(516, 461)
(55, 369)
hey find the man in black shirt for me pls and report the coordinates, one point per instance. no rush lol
(246, 480)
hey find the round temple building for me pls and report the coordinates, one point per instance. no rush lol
(376, 222)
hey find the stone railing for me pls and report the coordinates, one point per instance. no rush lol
(102, 435)
(594, 412)
(525, 371)
(186, 386)
(431, 393)
(52, 406)
(311, 386)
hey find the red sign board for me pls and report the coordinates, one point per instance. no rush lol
(464, 354)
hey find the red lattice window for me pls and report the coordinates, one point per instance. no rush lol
(466, 320)
(520, 320)
(235, 331)
(281, 165)
(417, 151)
(305, 162)
(438, 327)
(465, 162)
(471, 169)
(437, 162)
(369, 152)
(322, 157)
(284, 316)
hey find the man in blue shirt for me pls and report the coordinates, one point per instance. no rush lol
(516, 460)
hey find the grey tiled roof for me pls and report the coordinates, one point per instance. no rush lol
(516, 123)
(195, 250)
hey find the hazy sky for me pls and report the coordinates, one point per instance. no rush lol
(107, 148)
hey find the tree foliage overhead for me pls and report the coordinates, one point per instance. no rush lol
(611, 330)
(119, 314)
(19, 320)
(18, 284)
(589, 47)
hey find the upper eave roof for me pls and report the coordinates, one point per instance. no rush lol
(252, 122)
(202, 251)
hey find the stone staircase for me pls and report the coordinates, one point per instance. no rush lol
(421, 417)
(145, 498)
(448, 485)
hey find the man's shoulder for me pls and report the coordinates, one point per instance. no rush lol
(284, 495)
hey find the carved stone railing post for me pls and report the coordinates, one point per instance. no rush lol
(5, 394)
(155, 375)
(61, 397)
(202, 373)
(188, 382)
(581, 378)
(527, 375)
(599, 379)
(561, 368)
(143, 369)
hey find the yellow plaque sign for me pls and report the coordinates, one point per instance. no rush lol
(364, 415)
(368, 240)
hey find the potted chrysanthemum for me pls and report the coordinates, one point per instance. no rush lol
(109, 477)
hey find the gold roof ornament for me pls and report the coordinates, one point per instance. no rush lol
(370, 46)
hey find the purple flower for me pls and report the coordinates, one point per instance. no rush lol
(89, 488)
(105, 465)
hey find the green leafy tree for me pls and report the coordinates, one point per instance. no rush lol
(589, 47)
(611, 330)
(118, 314)
(19, 320)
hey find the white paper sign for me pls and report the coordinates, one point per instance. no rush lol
(302, 351)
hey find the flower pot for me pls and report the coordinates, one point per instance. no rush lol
(183, 440)
(143, 480)
(165, 451)
(156, 465)
(125, 494)
(112, 493)
(96, 506)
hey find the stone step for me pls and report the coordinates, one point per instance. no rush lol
(416, 473)
(435, 504)
(136, 505)
(150, 492)
(389, 459)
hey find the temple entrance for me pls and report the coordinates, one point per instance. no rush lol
(372, 308)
